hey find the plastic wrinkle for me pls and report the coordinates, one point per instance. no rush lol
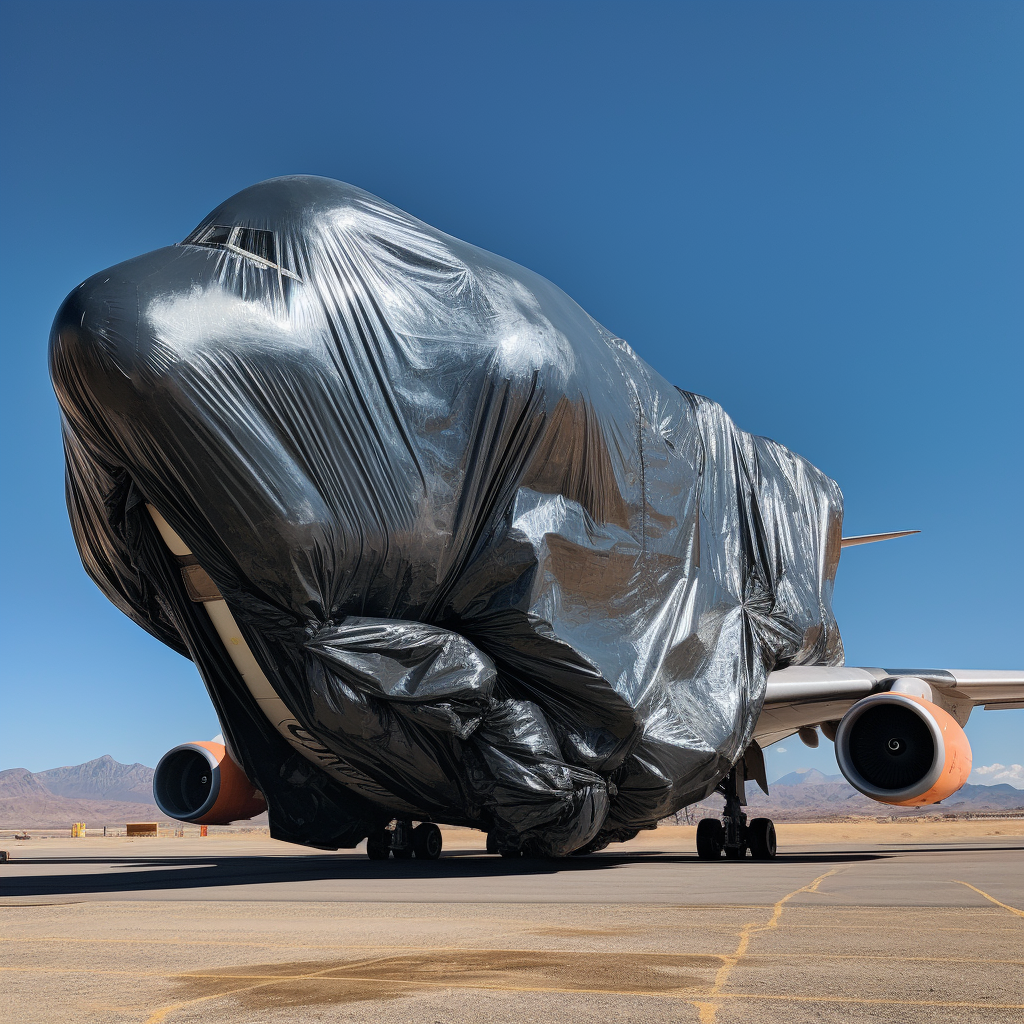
(496, 567)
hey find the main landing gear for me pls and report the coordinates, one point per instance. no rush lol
(494, 846)
(400, 839)
(733, 835)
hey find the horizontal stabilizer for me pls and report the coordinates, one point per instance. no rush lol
(871, 538)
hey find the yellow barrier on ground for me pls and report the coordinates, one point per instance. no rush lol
(78, 830)
(141, 828)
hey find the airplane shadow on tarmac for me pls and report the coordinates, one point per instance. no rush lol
(135, 874)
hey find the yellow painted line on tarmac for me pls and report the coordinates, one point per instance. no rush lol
(882, 956)
(514, 949)
(161, 1014)
(889, 926)
(860, 1000)
(991, 899)
(86, 970)
(647, 993)
(708, 1010)
(267, 980)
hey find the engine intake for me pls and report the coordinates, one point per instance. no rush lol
(200, 783)
(900, 749)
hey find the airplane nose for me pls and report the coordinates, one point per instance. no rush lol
(94, 343)
(100, 320)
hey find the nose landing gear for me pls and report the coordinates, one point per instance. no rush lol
(400, 839)
(733, 835)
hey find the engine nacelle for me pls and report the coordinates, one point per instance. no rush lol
(200, 783)
(901, 749)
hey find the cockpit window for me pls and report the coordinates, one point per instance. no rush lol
(255, 243)
(216, 235)
(259, 243)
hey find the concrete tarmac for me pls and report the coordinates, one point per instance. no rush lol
(899, 926)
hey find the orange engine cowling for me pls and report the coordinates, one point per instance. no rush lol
(200, 783)
(901, 749)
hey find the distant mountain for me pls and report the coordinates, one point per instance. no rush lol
(106, 792)
(810, 794)
(814, 793)
(976, 798)
(806, 777)
(100, 792)
(102, 779)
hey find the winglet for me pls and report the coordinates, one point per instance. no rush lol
(871, 538)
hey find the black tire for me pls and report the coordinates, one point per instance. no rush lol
(377, 846)
(710, 838)
(761, 838)
(492, 843)
(427, 841)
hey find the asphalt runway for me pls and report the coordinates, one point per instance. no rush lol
(176, 930)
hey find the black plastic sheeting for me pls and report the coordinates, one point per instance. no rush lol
(503, 572)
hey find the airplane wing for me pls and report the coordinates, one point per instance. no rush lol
(801, 698)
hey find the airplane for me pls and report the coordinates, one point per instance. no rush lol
(898, 736)
(446, 550)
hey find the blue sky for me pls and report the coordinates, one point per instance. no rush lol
(811, 212)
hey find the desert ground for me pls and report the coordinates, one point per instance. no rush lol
(908, 921)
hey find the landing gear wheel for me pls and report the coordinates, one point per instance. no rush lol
(761, 838)
(426, 841)
(492, 843)
(377, 846)
(710, 839)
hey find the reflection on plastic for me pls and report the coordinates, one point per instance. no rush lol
(499, 570)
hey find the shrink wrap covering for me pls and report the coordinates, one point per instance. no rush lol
(501, 572)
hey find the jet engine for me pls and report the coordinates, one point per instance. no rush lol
(200, 783)
(901, 749)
